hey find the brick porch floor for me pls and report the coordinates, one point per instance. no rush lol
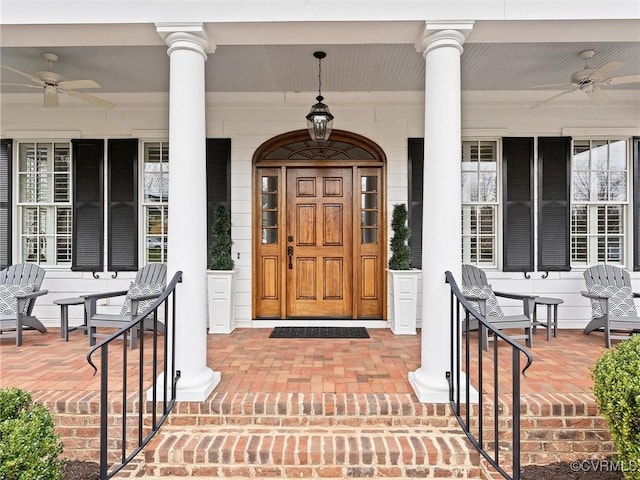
(340, 371)
(251, 362)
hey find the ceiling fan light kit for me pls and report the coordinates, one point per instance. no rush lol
(591, 81)
(53, 83)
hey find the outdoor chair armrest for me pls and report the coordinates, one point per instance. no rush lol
(528, 301)
(91, 300)
(474, 298)
(515, 296)
(24, 299)
(96, 296)
(146, 297)
(29, 296)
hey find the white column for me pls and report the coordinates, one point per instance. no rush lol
(441, 240)
(187, 243)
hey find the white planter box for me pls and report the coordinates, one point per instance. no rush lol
(403, 301)
(221, 287)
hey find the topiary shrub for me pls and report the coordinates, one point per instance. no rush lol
(220, 252)
(29, 446)
(616, 387)
(400, 251)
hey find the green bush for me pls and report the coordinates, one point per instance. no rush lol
(220, 251)
(616, 387)
(12, 402)
(400, 251)
(29, 446)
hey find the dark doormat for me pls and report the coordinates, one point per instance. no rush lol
(319, 332)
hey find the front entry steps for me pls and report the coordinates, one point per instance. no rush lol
(311, 435)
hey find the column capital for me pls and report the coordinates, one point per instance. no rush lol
(189, 36)
(443, 34)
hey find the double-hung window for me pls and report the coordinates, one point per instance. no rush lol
(156, 200)
(587, 199)
(599, 202)
(479, 202)
(74, 203)
(479, 215)
(44, 202)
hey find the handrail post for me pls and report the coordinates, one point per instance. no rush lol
(516, 415)
(104, 381)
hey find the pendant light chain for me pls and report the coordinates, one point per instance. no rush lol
(320, 98)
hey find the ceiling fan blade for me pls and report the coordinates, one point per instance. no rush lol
(89, 98)
(78, 84)
(30, 77)
(606, 70)
(550, 99)
(20, 85)
(623, 79)
(50, 96)
(598, 96)
(554, 85)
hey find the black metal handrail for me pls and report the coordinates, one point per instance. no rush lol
(461, 313)
(130, 447)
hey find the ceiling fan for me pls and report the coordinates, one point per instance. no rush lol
(592, 81)
(54, 83)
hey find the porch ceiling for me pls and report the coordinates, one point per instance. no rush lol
(493, 58)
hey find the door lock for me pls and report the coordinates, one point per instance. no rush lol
(290, 254)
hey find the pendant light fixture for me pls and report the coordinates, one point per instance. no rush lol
(319, 119)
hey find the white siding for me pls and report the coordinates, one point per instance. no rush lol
(251, 119)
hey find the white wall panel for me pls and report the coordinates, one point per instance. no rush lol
(387, 118)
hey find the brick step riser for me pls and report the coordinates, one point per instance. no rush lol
(180, 420)
(325, 472)
(322, 404)
(400, 453)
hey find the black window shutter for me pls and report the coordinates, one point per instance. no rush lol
(218, 178)
(88, 208)
(122, 198)
(517, 180)
(5, 202)
(636, 203)
(416, 185)
(554, 203)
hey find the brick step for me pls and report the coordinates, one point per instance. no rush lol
(555, 427)
(302, 452)
(312, 409)
(311, 435)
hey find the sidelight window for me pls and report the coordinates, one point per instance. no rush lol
(369, 209)
(269, 209)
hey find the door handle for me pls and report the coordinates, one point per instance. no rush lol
(290, 254)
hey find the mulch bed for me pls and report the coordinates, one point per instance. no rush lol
(577, 470)
(77, 470)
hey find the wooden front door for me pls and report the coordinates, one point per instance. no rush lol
(319, 231)
(319, 242)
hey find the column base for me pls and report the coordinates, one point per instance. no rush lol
(430, 389)
(194, 389)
